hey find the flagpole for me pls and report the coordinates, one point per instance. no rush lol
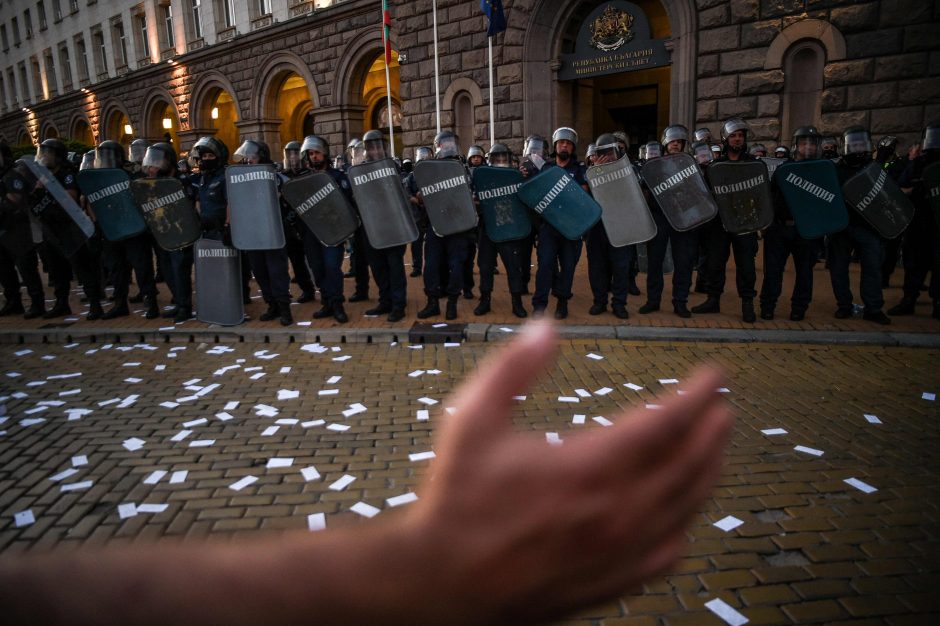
(388, 83)
(437, 71)
(492, 104)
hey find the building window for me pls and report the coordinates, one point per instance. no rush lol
(803, 68)
(197, 19)
(81, 53)
(11, 80)
(144, 43)
(24, 83)
(169, 40)
(28, 24)
(41, 14)
(15, 25)
(73, 6)
(229, 10)
(57, 10)
(463, 118)
(37, 79)
(3, 36)
(100, 52)
(3, 94)
(264, 7)
(66, 65)
(50, 73)
(120, 43)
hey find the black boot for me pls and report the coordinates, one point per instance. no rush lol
(484, 306)
(95, 312)
(12, 307)
(747, 310)
(61, 309)
(620, 312)
(904, 307)
(517, 308)
(170, 314)
(649, 307)
(153, 310)
(561, 309)
(681, 310)
(382, 309)
(36, 309)
(396, 315)
(711, 305)
(271, 313)
(633, 289)
(597, 308)
(359, 296)
(451, 313)
(307, 296)
(324, 312)
(284, 314)
(183, 313)
(766, 312)
(431, 309)
(118, 310)
(339, 313)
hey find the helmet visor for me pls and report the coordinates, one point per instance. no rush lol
(807, 149)
(155, 157)
(857, 143)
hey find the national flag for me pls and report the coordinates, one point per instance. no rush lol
(387, 30)
(493, 9)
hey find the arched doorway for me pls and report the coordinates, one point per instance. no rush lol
(374, 97)
(289, 101)
(162, 123)
(81, 131)
(49, 131)
(118, 128)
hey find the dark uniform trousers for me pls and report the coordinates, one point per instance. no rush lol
(327, 265)
(608, 267)
(445, 257)
(684, 253)
(781, 241)
(180, 276)
(296, 247)
(511, 254)
(388, 269)
(360, 261)
(719, 245)
(869, 246)
(921, 253)
(28, 266)
(133, 253)
(270, 270)
(554, 249)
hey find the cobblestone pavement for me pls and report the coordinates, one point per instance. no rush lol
(811, 548)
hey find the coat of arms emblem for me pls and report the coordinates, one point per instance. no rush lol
(611, 29)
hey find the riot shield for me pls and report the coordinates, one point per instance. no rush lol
(879, 200)
(813, 195)
(504, 216)
(218, 283)
(383, 205)
(109, 194)
(742, 190)
(561, 202)
(772, 164)
(680, 190)
(19, 229)
(626, 216)
(932, 188)
(169, 214)
(64, 224)
(322, 206)
(254, 209)
(447, 197)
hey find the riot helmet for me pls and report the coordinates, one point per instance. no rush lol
(499, 155)
(829, 147)
(675, 132)
(52, 153)
(407, 166)
(782, 152)
(806, 143)
(291, 161)
(535, 145)
(623, 141)
(74, 159)
(109, 154)
(88, 161)
(317, 145)
(758, 150)
(568, 135)
(641, 153)
(475, 156)
(729, 137)
(355, 151)
(445, 145)
(184, 167)
(590, 153)
(654, 150)
(375, 146)
(703, 134)
(423, 153)
(931, 137)
(856, 146)
(137, 151)
(250, 153)
(702, 152)
(606, 148)
(716, 150)
(160, 157)
(207, 146)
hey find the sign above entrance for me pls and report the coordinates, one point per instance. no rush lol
(614, 38)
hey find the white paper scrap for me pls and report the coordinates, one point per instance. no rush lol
(155, 477)
(439, 325)
(332, 380)
(78, 461)
(569, 399)
(578, 419)
(728, 523)
(553, 439)
(427, 401)
(668, 381)
(726, 612)
(860, 485)
(342, 483)
(596, 357)
(316, 521)
(258, 376)
(284, 370)
(23, 352)
(404, 498)
(270, 430)
(603, 391)
(653, 407)
(231, 406)
(326, 392)
(340, 359)
(928, 396)
(201, 443)
(241, 483)
(23, 518)
(421, 456)
(133, 444)
(63, 475)
(128, 509)
(506, 329)
(178, 476)
(152, 508)
(288, 394)
(275, 462)
(76, 414)
(32, 421)
(519, 398)
(85, 484)
(312, 423)
(365, 510)
(287, 421)
(423, 415)
(582, 393)
(812, 451)
(132, 364)
(196, 422)
(223, 416)
(603, 421)
(70, 392)
(340, 428)
(415, 373)
(354, 409)
(133, 381)
(183, 434)
(872, 419)
(310, 473)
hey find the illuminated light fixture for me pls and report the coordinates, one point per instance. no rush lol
(167, 123)
(128, 130)
(214, 113)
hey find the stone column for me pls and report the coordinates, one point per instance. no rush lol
(266, 130)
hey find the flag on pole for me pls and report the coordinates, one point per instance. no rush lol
(387, 29)
(493, 9)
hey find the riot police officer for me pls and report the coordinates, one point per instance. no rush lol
(292, 167)
(419, 214)
(475, 156)
(326, 261)
(268, 266)
(608, 266)
(358, 246)
(858, 235)
(719, 243)
(782, 240)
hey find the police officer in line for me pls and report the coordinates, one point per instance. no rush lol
(291, 167)
(444, 257)
(419, 214)
(684, 244)
(359, 262)
(608, 266)
(387, 264)
(720, 243)
(268, 266)
(475, 158)
(557, 255)
(758, 151)
(326, 261)
(160, 162)
(623, 145)
(886, 154)
(782, 240)
(511, 253)
(921, 247)
(858, 235)
(85, 262)
(26, 263)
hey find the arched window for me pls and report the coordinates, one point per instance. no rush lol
(463, 119)
(802, 94)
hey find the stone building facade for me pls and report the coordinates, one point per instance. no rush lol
(311, 67)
